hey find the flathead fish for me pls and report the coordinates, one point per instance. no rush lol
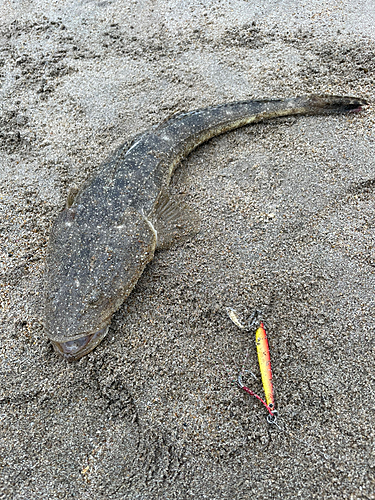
(109, 230)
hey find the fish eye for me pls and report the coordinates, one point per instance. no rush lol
(94, 296)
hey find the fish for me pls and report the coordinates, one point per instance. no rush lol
(110, 228)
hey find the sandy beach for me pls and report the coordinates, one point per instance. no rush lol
(287, 226)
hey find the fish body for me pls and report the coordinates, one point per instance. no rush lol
(102, 241)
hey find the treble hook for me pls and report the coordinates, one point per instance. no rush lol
(272, 417)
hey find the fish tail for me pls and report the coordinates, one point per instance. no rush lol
(328, 104)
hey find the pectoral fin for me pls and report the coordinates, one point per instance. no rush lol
(173, 221)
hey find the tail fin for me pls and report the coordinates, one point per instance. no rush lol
(321, 104)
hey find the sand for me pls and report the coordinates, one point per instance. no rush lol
(287, 226)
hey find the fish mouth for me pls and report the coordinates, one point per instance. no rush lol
(75, 349)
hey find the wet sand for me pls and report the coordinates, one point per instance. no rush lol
(287, 226)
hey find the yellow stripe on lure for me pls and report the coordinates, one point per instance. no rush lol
(264, 359)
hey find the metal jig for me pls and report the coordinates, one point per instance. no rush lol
(264, 359)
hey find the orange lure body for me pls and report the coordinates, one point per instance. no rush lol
(265, 364)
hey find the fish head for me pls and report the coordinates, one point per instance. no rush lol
(92, 265)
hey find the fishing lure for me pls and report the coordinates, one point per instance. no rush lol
(264, 360)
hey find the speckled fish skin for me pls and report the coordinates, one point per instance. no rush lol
(100, 245)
